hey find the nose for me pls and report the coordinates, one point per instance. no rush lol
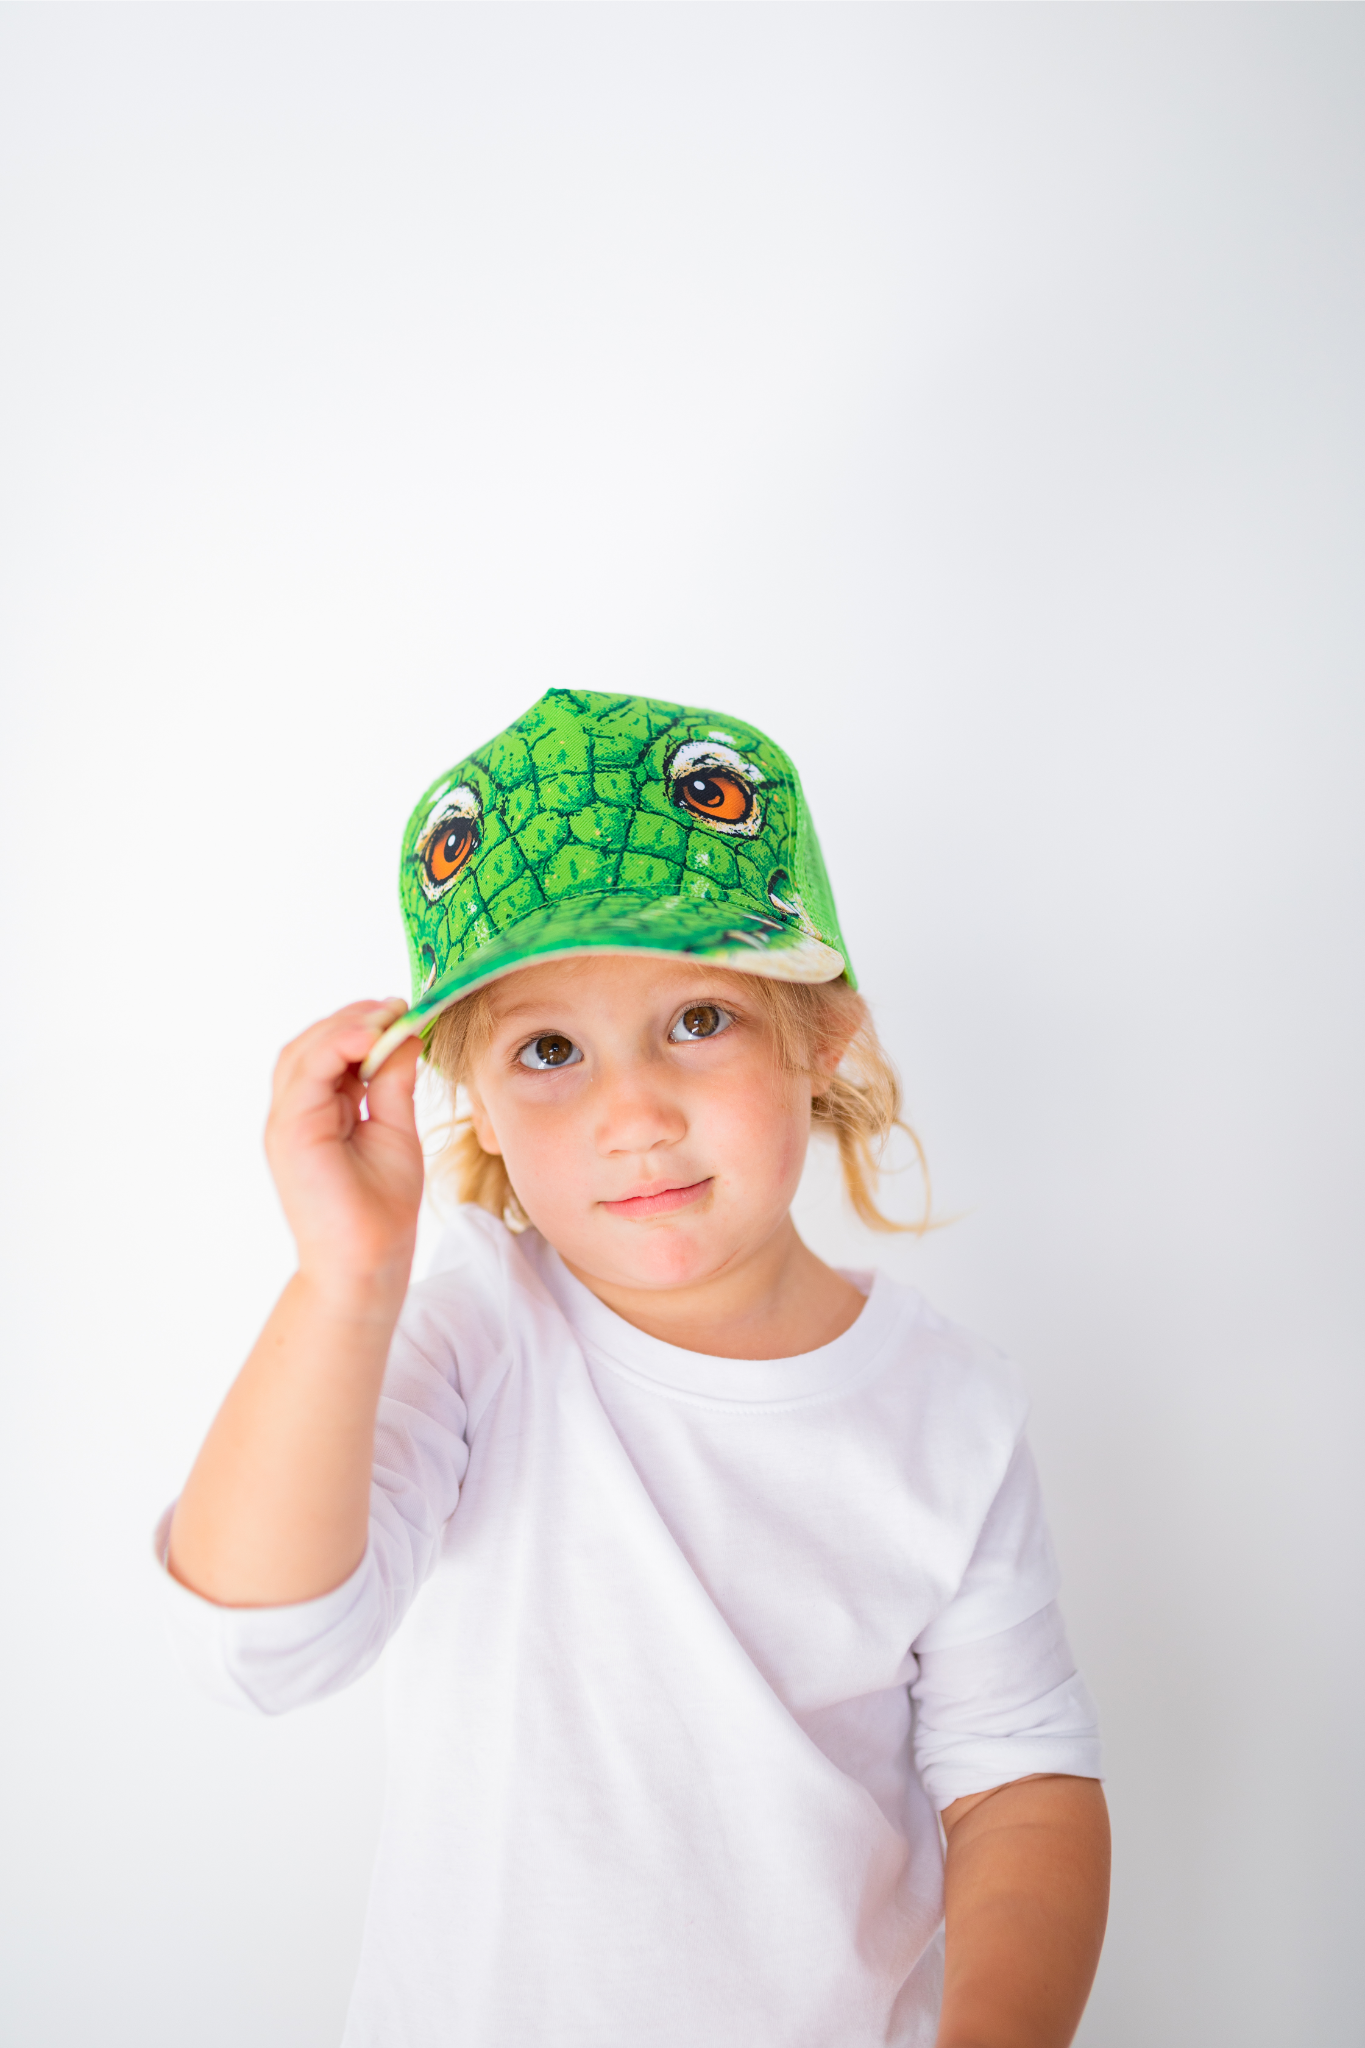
(637, 1111)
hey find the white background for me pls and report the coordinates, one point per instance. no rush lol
(973, 398)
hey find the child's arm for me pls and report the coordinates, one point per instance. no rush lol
(276, 1508)
(1026, 1894)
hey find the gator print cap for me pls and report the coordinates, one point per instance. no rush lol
(612, 824)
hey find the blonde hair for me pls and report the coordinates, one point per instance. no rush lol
(858, 1105)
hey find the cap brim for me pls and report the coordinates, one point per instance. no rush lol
(724, 931)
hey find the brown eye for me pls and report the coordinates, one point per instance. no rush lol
(449, 848)
(703, 1020)
(550, 1051)
(716, 793)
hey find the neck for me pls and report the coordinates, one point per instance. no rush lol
(776, 1303)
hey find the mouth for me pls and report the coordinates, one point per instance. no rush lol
(661, 1201)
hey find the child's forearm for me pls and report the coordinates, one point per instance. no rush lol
(276, 1508)
(1026, 1895)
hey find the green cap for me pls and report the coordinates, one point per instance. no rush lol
(612, 824)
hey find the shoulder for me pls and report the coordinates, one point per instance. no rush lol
(474, 1247)
(462, 1314)
(479, 1299)
(943, 1387)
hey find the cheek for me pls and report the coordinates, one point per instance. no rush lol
(758, 1127)
(541, 1147)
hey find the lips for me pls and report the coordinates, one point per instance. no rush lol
(660, 1201)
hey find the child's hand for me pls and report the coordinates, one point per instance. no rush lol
(351, 1185)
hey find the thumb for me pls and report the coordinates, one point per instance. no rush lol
(389, 1097)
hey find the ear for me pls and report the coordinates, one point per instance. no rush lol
(482, 1125)
(839, 1028)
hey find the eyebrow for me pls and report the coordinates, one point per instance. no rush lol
(515, 1010)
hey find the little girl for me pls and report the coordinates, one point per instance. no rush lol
(722, 1576)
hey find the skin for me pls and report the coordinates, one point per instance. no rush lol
(663, 1173)
(662, 1168)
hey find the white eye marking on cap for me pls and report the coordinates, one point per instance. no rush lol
(790, 904)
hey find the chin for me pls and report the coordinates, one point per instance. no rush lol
(661, 1258)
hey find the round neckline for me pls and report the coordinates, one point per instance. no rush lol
(701, 1376)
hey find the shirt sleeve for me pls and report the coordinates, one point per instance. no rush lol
(269, 1659)
(997, 1694)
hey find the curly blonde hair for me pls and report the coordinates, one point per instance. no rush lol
(858, 1105)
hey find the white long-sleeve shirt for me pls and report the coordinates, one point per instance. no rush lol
(655, 1774)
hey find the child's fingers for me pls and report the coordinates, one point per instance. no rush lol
(352, 1088)
(313, 1063)
(330, 1044)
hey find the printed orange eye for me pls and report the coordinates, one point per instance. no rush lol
(448, 840)
(716, 793)
(449, 848)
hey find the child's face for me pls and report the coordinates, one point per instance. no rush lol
(648, 1128)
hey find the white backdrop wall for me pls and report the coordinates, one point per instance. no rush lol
(972, 397)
